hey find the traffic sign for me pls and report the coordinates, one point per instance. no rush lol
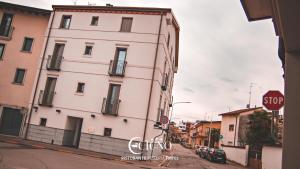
(273, 100)
(164, 119)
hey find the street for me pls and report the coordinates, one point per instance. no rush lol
(21, 157)
(189, 160)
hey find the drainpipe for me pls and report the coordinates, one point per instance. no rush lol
(39, 76)
(235, 130)
(151, 87)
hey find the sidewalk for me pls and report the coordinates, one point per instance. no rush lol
(41, 145)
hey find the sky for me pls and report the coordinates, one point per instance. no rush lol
(221, 54)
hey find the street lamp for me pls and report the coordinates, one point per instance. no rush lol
(173, 104)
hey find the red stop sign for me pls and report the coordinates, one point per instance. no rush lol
(164, 119)
(273, 100)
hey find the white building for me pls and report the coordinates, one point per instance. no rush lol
(106, 76)
(233, 127)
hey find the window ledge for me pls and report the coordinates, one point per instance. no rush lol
(87, 56)
(19, 84)
(79, 94)
(24, 51)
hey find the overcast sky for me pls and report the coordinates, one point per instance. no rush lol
(221, 53)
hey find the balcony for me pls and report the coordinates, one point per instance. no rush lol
(110, 107)
(45, 99)
(117, 69)
(7, 34)
(165, 82)
(54, 62)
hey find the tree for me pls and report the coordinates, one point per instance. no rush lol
(259, 130)
(214, 136)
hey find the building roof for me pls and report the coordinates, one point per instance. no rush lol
(126, 10)
(237, 112)
(33, 10)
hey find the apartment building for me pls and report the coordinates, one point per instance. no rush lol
(106, 76)
(22, 31)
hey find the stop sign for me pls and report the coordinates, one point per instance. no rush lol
(273, 100)
(164, 119)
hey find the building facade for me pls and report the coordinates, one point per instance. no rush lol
(106, 77)
(285, 17)
(22, 31)
(233, 126)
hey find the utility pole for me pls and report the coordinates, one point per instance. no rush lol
(209, 135)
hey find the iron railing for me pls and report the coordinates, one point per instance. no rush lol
(46, 99)
(54, 63)
(110, 107)
(165, 80)
(115, 69)
(7, 35)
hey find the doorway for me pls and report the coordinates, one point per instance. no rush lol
(11, 121)
(72, 132)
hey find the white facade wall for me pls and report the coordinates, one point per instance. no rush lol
(238, 155)
(229, 136)
(93, 71)
(271, 157)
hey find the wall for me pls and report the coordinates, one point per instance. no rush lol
(135, 86)
(13, 57)
(237, 154)
(271, 157)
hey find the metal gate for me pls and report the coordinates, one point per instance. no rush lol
(11, 121)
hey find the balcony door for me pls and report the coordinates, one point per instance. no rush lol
(57, 56)
(113, 98)
(6, 24)
(49, 91)
(119, 61)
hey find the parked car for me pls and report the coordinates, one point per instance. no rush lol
(198, 149)
(203, 152)
(216, 155)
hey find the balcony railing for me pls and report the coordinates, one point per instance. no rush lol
(46, 99)
(116, 69)
(165, 80)
(110, 107)
(7, 35)
(54, 63)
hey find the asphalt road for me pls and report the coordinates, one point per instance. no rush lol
(21, 157)
(189, 160)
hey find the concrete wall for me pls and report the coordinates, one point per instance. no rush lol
(45, 134)
(238, 155)
(271, 157)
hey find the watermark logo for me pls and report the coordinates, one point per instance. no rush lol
(135, 145)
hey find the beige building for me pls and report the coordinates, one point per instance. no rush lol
(285, 16)
(107, 77)
(22, 31)
(233, 126)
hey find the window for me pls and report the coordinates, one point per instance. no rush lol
(117, 67)
(126, 24)
(88, 50)
(54, 62)
(95, 20)
(5, 26)
(27, 44)
(111, 103)
(65, 21)
(2, 47)
(80, 87)
(43, 122)
(168, 41)
(231, 127)
(107, 132)
(46, 95)
(19, 76)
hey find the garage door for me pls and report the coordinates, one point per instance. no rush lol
(11, 121)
